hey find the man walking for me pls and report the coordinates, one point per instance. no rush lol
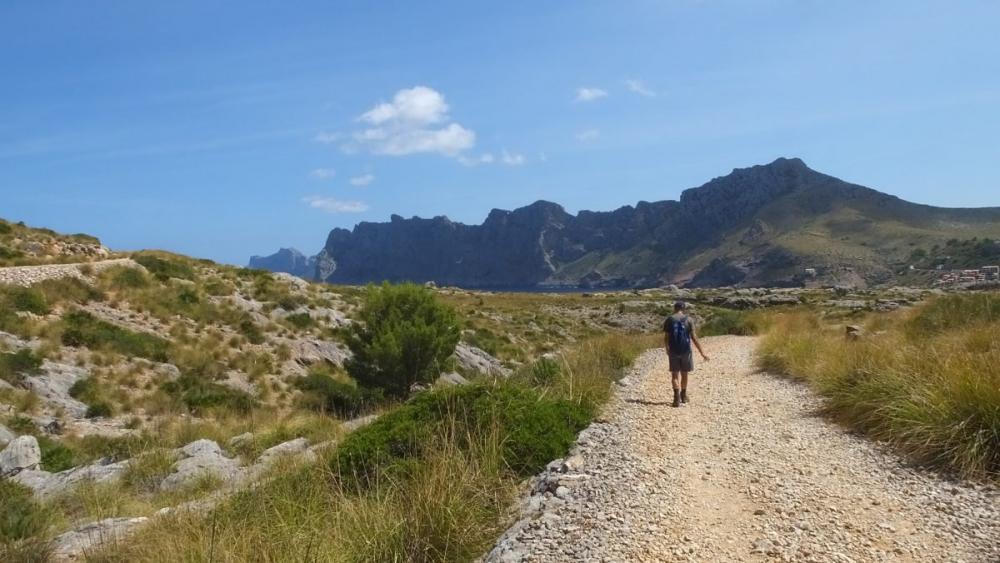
(678, 335)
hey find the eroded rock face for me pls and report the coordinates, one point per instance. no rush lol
(309, 351)
(80, 540)
(53, 383)
(46, 484)
(475, 359)
(201, 458)
(22, 453)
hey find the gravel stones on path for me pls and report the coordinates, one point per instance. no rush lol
(746, 472)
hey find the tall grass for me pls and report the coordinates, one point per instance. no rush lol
(926, 381)
(740, 323)
(440, 474)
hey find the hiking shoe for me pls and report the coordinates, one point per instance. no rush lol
(677, 398)
(684, 396)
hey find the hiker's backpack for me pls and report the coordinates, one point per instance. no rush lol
(679, 334)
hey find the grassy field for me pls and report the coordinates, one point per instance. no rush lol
(927, 381)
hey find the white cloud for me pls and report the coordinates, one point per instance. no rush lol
(588, 135)
(323, 173)
(331, 205)
(449, 140)
(638, 87)
(415, 121)
(485, 158)
(419, 104)
(589, 94)
(327, 137)
(363, 180)
(510, 159)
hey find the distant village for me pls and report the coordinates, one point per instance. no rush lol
(953, 277)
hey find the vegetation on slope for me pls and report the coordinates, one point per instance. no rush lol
(439, 474)
(927, 381)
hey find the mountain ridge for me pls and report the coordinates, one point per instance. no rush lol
(761, 225)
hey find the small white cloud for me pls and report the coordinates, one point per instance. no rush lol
(363, 180)
(638, 87)
(588, 135)
(449, 141)
(419, 104)
(415, 121)
(485, 158)
(512, 159)
(587, 94)
(331, 205)
(323, 173)
(327, 137)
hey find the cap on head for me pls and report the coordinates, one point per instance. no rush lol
(680, 306)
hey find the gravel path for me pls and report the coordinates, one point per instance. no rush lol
(28, 275)
(746, 472)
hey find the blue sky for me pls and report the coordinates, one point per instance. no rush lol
(224, 129)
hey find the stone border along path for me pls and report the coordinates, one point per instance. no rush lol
(25, 276)
(747, 472)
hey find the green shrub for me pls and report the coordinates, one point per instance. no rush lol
(99, 409)
(326, 394)
(300, 321)
(87, 391)
(740, 323)
(26, 299)
(84, 389)
(534, 429)
(68, 290)
(165, 268)
(83, 329)
(9, 253)
(15, 365)
(198, 394)
(251, 331)
(5, 228)
(403, 337)
(543, 372)
(21, 517)
(127, 278)
(56, 456)
(290, 302)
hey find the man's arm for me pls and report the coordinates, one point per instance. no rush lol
(694, 338)
(666, 342)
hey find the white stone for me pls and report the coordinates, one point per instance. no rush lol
(20, 454)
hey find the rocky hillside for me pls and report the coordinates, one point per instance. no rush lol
(21, 245)
(759, 226)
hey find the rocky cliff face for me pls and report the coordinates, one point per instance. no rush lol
(761, 225)
(288, 260)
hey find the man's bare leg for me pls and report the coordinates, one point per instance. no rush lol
(675, 380)
(684, 387)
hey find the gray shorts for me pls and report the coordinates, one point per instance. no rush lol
(684, 362)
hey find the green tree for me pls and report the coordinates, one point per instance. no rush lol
(403, 336)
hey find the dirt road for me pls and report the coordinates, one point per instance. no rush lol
(748, 471)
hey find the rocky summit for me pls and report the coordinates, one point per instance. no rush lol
(780, 224)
